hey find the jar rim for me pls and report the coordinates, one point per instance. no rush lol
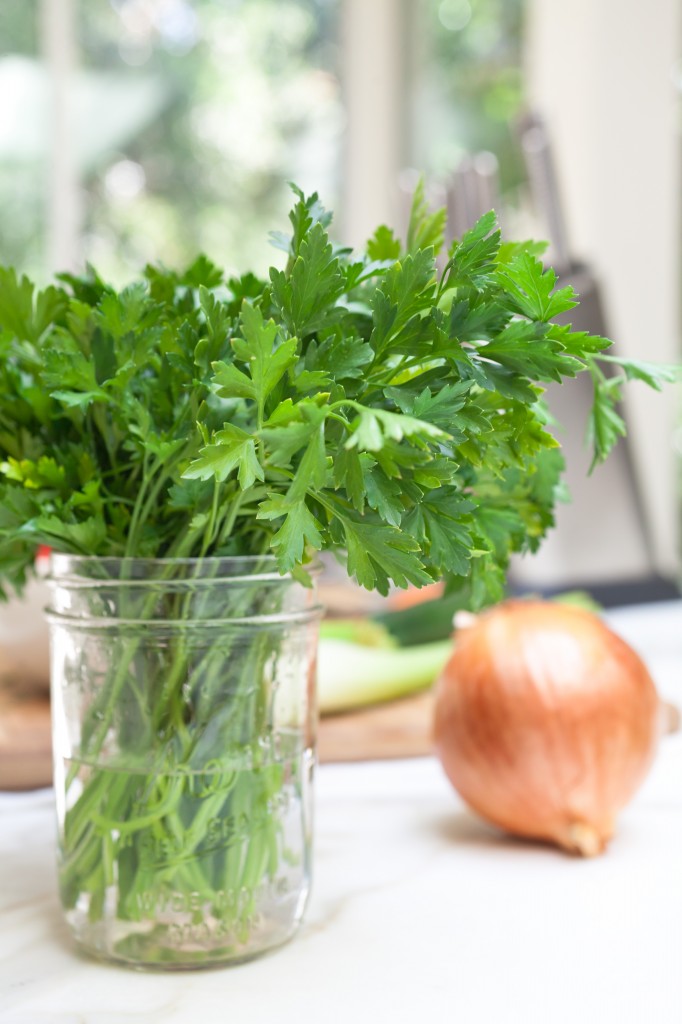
(94, 570)
(268, 621)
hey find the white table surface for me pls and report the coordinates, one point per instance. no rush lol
(419, 912)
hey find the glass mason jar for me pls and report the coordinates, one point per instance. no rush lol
(183, 696)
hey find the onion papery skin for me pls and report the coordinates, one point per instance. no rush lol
(546, 722)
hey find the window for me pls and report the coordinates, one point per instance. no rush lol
(158, 128)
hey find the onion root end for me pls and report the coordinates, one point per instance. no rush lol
(584, 839)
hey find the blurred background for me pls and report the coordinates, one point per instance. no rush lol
(139, 130)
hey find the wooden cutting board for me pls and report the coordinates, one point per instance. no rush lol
(25, 742)
(401, 728)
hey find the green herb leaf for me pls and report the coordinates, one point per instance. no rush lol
(305, 299)
(267, 363)
(232, 449)
(532, 288)
(653, 374)
(383, 245)
(475, 255)
(380, 553)
(425, 229)
(299, 530)
(605, 425)
(372, 427)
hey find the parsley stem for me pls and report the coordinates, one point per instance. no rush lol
(132, 529)
(142, 511)
(211, 525)
(231, 517)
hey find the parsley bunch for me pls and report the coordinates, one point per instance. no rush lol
(370, 404)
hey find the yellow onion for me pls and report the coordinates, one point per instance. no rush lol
(546, 722)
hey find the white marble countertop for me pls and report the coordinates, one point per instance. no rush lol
(419, 912)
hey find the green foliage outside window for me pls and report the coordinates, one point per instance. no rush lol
(468, 83)
(251, 100)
